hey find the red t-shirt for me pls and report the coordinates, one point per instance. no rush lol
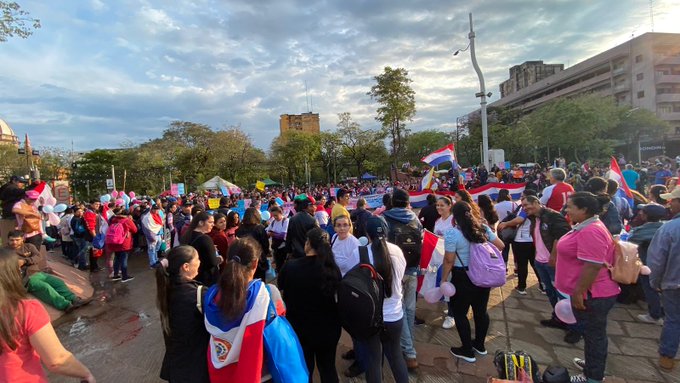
(23, 364)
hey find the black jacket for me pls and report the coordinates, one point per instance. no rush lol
(186, 348)
(428, 216)
(9, 195)
(553, 226)
(298, 226)
(258, 233)
(359, 217)
(208, 271)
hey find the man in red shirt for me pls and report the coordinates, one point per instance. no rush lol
(555, 196)
(90, 218)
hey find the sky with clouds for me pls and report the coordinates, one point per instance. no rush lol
(100, 73)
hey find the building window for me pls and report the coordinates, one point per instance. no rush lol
(641, 94)
(640, 76)
(638, 58)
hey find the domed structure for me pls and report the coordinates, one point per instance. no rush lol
(7, 135)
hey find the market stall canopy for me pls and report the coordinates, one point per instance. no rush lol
(368, 176)
(270, 182)
(216, 183)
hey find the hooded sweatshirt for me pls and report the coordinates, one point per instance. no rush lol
(405, 217)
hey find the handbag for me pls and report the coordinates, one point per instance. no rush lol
(99, 241)
(508, 234)
(283, 352)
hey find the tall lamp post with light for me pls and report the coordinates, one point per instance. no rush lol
(482, 94)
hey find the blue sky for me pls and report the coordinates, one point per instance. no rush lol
(103, 73)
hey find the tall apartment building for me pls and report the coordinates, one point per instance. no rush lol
(305, 122)
(641, 73)
(527, 73)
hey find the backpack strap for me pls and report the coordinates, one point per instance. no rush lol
(363, 255)
(335, 237)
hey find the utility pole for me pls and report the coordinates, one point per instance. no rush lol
(482, 95)
(113, 176)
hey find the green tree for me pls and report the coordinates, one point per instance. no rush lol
(291, 151)
(635, 124)
(11, 162)
(15, 21)
(88, 179)
(331, 154)
(397, 106)
(358, 144)
(236, 158)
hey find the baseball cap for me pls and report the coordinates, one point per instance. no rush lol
(19, 179)
(32, 194)
(376, 227)
(653, 210)
(672, 195)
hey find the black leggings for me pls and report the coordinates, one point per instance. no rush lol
(469, 295)
(524, 253)
(320, 349)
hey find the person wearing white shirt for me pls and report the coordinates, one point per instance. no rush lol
(277, 230)
(344, 244)
(389, 262)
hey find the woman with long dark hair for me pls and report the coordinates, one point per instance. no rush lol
(218, 234)
(580, 274)
(177, 298)
(233, 223)
(389, 262)
(465, 196)
(251, 227)
(197, 237)
(239, 301)
(26, 334)
(488, 211)
(309, 285)
(457, 242)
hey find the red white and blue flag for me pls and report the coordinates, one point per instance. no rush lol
(431, 261)
(440, 156)
(419, 199)
(616, 175)
(235, 351)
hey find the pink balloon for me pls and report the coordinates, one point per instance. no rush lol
(53, 219)
(448, 289)
(433, 295)
(114, 194)
(132, 195)
(564, 311)
(51, 201)
(645, 270)
(120, 202)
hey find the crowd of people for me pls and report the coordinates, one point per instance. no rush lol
(217, 270)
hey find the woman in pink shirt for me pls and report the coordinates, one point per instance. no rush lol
(26, 334)
(581, 274)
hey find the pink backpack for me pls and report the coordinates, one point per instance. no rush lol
(116, 234)
(486, 267)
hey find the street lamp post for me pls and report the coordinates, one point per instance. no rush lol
(482, 95)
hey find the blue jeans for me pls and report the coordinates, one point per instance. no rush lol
(594, 323)
(153, 243)
(652, 297)
(546, 274)
(370, 354)
(410, 283)
(670, 335)
(120, 264)
(83, 250)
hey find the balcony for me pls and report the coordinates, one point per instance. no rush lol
(618, 71)
(669, 116)
(668, 79)
(668, 60)
(668, 97)
(620, 88)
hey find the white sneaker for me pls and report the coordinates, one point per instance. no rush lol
(448, 323)
(648, 319)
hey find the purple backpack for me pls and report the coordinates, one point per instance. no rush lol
(486, 267)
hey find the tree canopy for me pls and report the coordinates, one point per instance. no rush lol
(15, 21)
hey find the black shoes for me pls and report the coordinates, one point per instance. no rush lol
(572, 337)
(553, 323)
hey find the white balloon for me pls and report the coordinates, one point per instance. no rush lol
(48, 209)
(645, 270)
(60, 208)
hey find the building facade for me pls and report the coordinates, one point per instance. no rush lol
(305, 122)
(641, 73)
(7, 136)
(527, 73)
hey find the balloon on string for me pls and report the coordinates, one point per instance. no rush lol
(265, 215)
(114, 194)
(448, 289)
(60, 208)
(125, 198)
(120, 202)
(47, 209)
(645, 270)
(433, 295)
(51, 201)
(53, 219)
(565, 312)
(279, 201)
(132, 194)
(105, 198)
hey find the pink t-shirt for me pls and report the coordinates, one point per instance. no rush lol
(594, 244)
(23, 364)
(542, 253)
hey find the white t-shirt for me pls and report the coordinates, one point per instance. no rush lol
(504, 208)
(441, 226)
(524, 231)
(279, 227)
(392, 309)
(342, 251)
(321, 217)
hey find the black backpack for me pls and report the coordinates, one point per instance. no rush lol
(508, 365)
(408, 237)
(360, 299)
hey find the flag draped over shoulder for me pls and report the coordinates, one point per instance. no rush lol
(616, 175)
(235, 351)
(439, 156)
(431, 261)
